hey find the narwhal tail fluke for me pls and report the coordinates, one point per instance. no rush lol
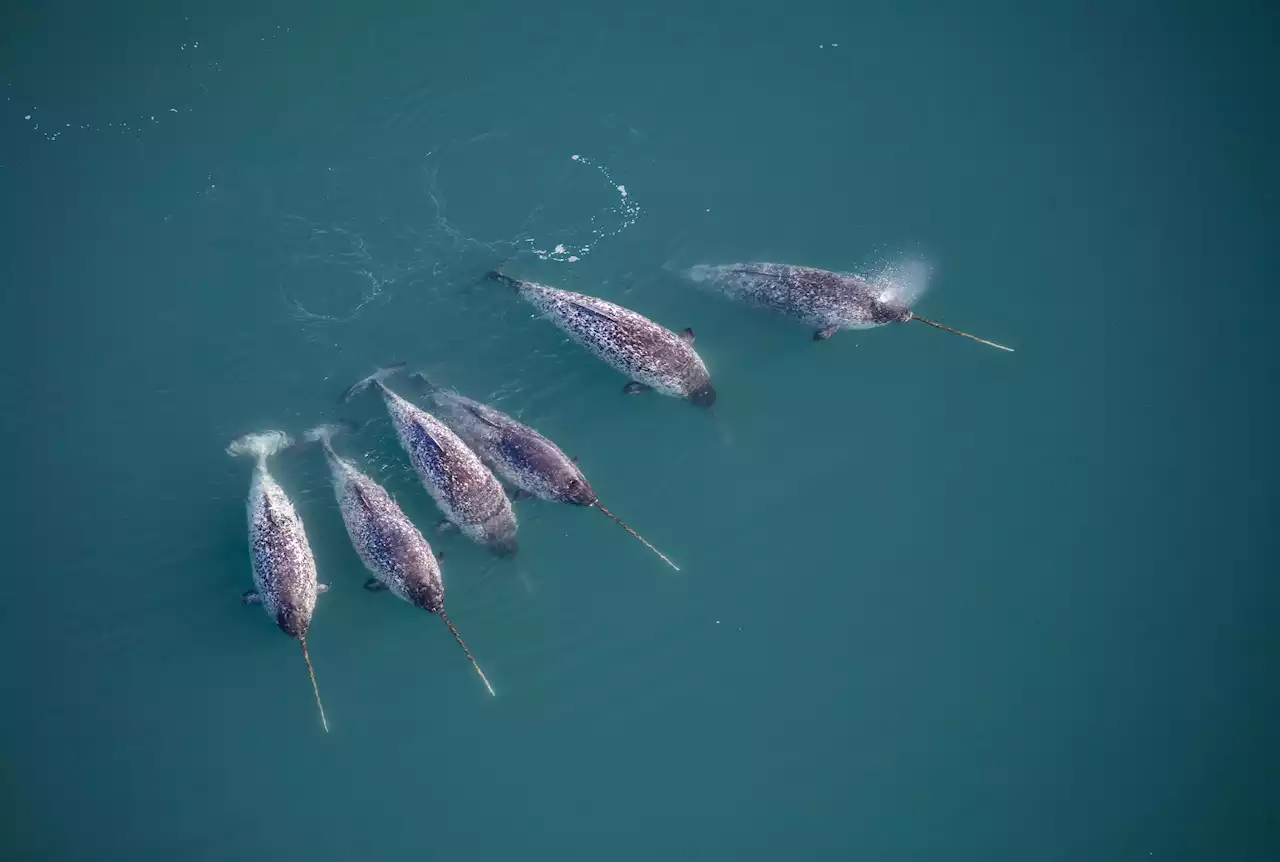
(324, 434)
(470, 657)
(424, 381)
(260, 445)
(376, 377)
(915, 316)
(314, 688)
(642, 539)
(498, 275)
(675, 262)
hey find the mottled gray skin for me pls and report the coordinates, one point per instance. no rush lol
(823, 299)
(284, 569)
(517, 453)
(468, 494)
(645, 352)
(391, 547)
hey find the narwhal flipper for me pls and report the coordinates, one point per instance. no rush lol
(686, 335)
(251, 597)
(635, 388)
(374, 585)
(446, 526)
(376, 377)
(825, 332)
(322, 588)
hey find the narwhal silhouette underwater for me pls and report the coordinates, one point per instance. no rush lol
(830, 301)
(391, 547)
(521, 456)
(465, 490)
(652, 356)
(284, 569)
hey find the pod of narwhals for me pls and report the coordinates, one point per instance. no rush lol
(464, 457)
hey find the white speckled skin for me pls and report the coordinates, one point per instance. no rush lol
(818, 297)
(516, 452)
(284, 569)
(641, 349)
(468, 494)
(391, 547)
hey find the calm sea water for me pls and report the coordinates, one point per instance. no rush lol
(938, 602)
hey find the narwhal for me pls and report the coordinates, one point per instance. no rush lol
(522, 456)
(652, 356)
(284, 569)
(466, 491)
(827, 300)
(391, 547)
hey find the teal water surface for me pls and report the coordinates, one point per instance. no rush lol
(936, 601)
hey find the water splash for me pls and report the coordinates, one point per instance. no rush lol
(626, 212)
(194, 55)
(329, 255)
(396, 236)
(902, 281)
(613, 220)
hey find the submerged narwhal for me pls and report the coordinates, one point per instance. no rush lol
(651, 355)
(284, 569)
(468, 494)
(522, 456)
(827, 300)
(391, 547)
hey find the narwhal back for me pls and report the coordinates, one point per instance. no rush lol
(632, 343)
(284, 568)
(819, 297)
(387, 542)
(468, 493)
(516, 452)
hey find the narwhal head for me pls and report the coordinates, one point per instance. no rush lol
(500, 534)
(293, 621)
(704, 395)
(575, 489)
(426, 594)
(891, 311)
(505, 546)
(894, 289)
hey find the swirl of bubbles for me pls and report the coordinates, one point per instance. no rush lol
(626, 211)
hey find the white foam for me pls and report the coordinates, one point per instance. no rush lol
(627, 211)
(902, 282)
(259, 445)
